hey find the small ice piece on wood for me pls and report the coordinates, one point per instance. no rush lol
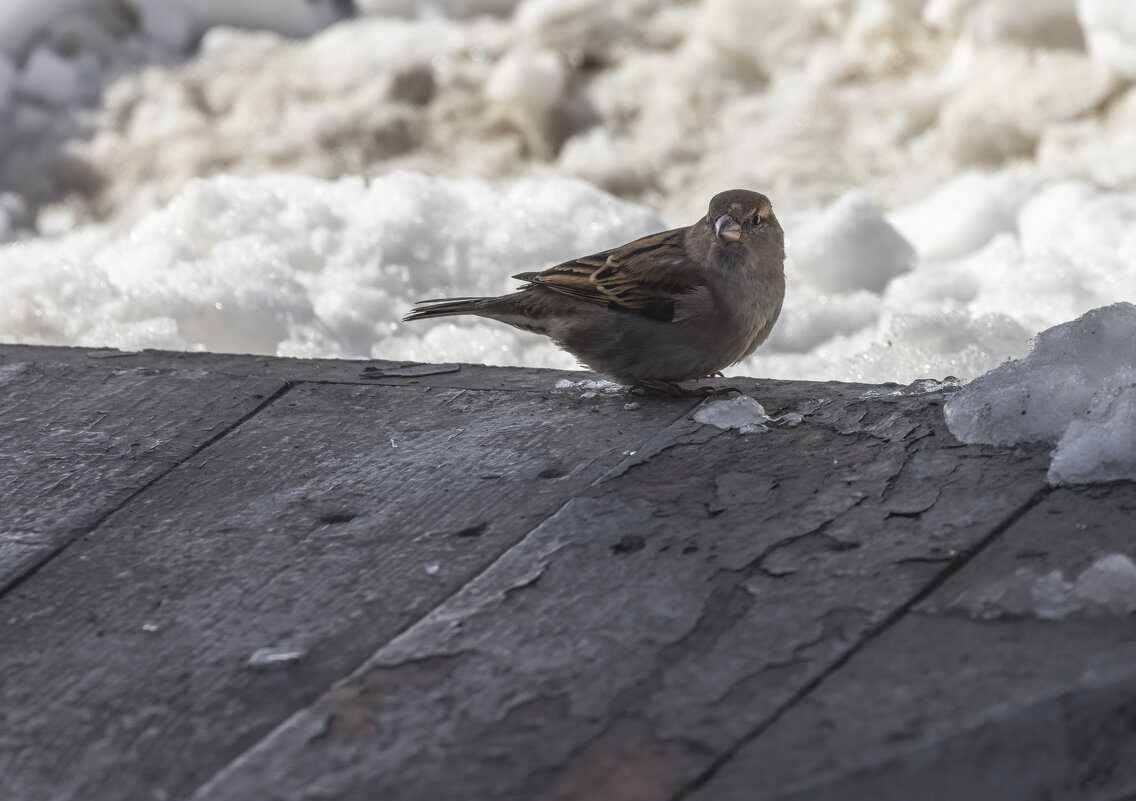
(591, 387)
(275, 658)
(10, 370)
(1106, 587)
(1109, 584)
(743, 413)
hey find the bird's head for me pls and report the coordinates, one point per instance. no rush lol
(741, 214)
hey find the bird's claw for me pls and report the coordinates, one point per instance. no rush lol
(642, 386)
(719, 392)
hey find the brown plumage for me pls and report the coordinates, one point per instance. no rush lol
(668, 307)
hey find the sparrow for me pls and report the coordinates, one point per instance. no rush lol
(677, 305)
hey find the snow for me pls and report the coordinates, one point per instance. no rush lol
(953, 175)
(1110, 32)
(743, 413)
(1075, 389)
(300, 266)
(658, 101)
(50, 78)
(1106, 587)
(590, 388)
(304, 266)
(1049, 22)
(850, 246)
(422, 8)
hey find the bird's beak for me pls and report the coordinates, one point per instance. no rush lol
(727, 228)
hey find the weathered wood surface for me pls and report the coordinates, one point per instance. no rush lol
(1001, 708)
(77, 442)
(504, 591)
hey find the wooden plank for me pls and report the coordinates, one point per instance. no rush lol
(638, 636)
(326, 524)
(77, 440)
(344, 371)
(944, 706)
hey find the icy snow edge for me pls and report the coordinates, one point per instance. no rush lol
(1076, 389)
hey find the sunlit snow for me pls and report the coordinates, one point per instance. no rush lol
(954, 176)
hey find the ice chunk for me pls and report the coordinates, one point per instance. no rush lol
(525, 86)
(1106, 587)
(450, 8)
(589, 387)
(1102, 446)
(851, 246)
(289, 17)
(1110, 32)
(21, 21)
(7, 81)
(1076, 388)
(1109, 584)
(1051, 218)
(50, 77)
(1039, 22)
(8, 371)
(966, 213)
(166, 22)
(743, 413)
(274, 658)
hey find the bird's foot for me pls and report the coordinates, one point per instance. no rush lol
(675, 391)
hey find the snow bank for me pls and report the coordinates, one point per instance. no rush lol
(658, 102)
(300, 266)
(304, 265)
(1076, 388)
(58, 56)
(1110, 30)
(956, 122)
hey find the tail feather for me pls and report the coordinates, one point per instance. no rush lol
(444, 307)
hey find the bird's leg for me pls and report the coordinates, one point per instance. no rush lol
(675, 391)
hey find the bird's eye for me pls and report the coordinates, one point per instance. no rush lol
(756, 220)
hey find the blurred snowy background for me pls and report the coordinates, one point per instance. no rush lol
(288, 176)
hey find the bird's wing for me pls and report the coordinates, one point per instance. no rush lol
(645, 276)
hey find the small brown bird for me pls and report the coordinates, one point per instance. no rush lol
(672, 306)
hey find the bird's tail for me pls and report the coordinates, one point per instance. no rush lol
(444, 307)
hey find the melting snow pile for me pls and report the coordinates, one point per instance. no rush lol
(292, 265)
(653, 100)
(1107, 587)
(1076, 389)
(299, 266)
(987, 143)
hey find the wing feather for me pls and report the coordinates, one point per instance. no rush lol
(644, 276)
